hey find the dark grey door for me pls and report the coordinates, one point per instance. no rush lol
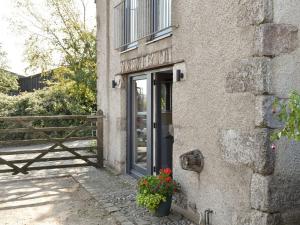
(164, 120)
(140, 125)
(150, 136)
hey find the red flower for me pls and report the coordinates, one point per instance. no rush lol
(168, 179)
(167, 171)
(145, 182)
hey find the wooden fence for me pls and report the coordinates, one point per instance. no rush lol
(35, 137)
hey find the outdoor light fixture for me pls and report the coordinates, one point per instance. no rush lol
(113, 84)
(179, 75)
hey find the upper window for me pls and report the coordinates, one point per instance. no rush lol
(162, 17)
(136, 19)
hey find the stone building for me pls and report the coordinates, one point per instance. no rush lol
(179, 77)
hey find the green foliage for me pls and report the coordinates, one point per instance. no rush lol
(8, 82)
(289, 114)
(150, 201)
(154, 189)
(48, 101)
(64, 42)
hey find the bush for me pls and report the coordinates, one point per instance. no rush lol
(48, 101)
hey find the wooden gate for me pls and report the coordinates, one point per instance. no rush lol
(26, 141)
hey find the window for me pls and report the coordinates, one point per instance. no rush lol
(162, 17)
(136, 19)
(131, 16)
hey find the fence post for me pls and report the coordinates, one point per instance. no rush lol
(99, 134)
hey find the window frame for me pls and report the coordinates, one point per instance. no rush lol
(154, 22)
(127, 27)
(153, 34)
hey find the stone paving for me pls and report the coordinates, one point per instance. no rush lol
(117, 196)
(114, 193)
(49, 201)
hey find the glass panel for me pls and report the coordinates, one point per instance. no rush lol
(164, 138)
(133, 20)
(163, 14)
(165, 97)
(140, 120)
(119, 26)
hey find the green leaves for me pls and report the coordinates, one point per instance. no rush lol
(66, 43)
(150, 201)
(289, 114)
(8, 82)
(154, 189)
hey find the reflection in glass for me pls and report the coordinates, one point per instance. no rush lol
(133, 20)
(140, 114)
(163, 14)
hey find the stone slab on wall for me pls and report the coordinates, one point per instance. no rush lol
(253, 12)
(261, 218)
(274, 39)
(250, 149)
(250, 75)
(272, 194)
(266, 112)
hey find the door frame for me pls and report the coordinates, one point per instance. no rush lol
(149, 75)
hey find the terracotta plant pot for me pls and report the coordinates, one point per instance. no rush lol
(164, 208)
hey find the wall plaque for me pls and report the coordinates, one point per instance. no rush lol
(151, 60)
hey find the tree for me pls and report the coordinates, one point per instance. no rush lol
(289, 114)
(8, 82)
(61, 38)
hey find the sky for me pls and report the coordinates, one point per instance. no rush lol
(13, 43)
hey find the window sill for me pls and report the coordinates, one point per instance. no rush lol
(159, 38)
(129, 49)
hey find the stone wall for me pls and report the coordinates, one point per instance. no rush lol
(275, 184)
(237, 56)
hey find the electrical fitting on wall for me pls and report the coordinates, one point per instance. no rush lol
(192, 161)
(179, 75)
(113, 84)
(117, 82)
(179, 72)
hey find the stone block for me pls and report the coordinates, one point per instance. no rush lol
(260, 192)
(262, 218)
(241, 217)
(265, 113)
(271, 194)
(291, 217)
(254, 12)
(250, 75)
(250, 149)
(274, 39)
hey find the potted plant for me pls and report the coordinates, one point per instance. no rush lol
(155, 192)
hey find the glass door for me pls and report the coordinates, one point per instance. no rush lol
(140, 125)
(163, 137)
(150, 134)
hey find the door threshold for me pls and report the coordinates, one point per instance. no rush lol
(135, 174)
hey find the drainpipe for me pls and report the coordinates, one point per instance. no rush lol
(207, 213)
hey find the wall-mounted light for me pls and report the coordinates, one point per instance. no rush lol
(179, 75)
(113, 84)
